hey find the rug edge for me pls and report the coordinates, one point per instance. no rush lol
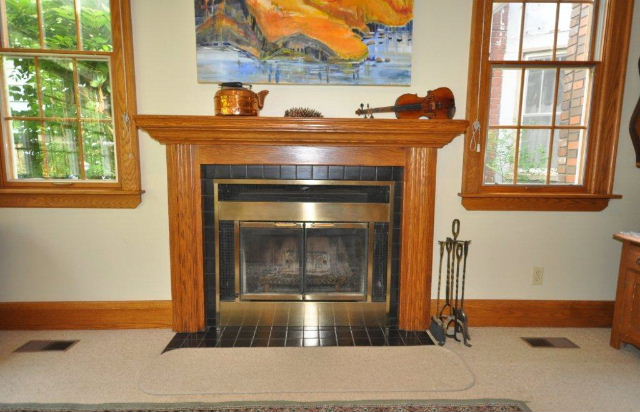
(115, 407)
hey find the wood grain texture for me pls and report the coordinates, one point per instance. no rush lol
(85, 315)
(417, 238)
(626, 320)
(89, 199)
(537, 202)
(601, 151)
(300, 155)
(158, 314)
(212, 130)
(185, 233)
(537, 313)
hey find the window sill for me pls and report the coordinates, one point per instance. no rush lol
(66, 198)
(567, 202)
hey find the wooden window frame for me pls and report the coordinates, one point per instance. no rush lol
(126, 191)
(597, 187)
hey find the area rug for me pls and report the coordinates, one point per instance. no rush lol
(381, 369)
(472, 405)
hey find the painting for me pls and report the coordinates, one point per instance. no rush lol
(331, 42)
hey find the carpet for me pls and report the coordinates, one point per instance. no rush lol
(237, 371)
(472, 405)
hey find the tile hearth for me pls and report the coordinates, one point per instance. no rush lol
(297, 336)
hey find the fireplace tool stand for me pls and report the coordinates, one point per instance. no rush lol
(451, 321)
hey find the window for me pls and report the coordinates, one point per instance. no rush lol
(68, 95)
(543, 138)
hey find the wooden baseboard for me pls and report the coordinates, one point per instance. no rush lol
(538, 313)
(158, 314)
(86, 315)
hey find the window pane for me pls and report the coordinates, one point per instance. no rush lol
(95, 89)
(568, 157)
(95, 17)
(534, 156)
(505, 97)
(22, 86)
(22, 19)
(574, 96)
(499, 156)
(99, 151)
(540, 86)
(575, 30)
(27, 150)
(61, 161)
(60, 24)
(539, 31)
(58, 93)
(505, 31)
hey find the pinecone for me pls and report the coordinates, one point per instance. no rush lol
(302, 112)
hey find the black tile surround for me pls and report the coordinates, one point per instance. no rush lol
(295, 172)
(279, 336)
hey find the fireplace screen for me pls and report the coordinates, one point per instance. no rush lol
(304, 261)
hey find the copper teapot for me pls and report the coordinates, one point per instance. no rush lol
(233, 99)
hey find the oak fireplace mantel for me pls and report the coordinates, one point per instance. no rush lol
(193, 141)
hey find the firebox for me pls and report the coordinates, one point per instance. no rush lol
(307, 252)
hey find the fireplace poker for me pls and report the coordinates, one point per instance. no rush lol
(460, 314)
(457, 326)
(437, 327)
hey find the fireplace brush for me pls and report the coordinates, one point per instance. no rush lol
(451, 320)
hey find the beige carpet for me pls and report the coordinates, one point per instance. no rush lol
(305, 370)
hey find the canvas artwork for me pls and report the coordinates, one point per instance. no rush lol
(338, 42)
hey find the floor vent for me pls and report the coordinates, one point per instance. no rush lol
(550, 343)
(46, 345)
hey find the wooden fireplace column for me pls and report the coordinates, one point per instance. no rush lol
(193, 141)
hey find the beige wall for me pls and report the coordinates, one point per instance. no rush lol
(48, 255)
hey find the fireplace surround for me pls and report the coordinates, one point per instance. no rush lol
(287, 245)
(195, 141)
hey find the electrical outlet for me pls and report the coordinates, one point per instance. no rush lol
(538, 276)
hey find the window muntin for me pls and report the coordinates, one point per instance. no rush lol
(57, 112)
(541, 65)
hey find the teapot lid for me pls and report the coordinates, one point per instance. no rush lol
(235, 85)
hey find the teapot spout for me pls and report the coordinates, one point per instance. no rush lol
(261, 96)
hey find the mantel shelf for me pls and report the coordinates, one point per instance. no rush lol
(282, 131)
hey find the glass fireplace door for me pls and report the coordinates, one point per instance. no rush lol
(271, 260)
(304, 261)
(336, 264)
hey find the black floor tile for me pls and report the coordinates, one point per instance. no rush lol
(294, 334)
(311, 342)
(294, 342)
(328, 342)
(260, 343)
(276, 342)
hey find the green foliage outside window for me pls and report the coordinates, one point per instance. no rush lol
(60, 106)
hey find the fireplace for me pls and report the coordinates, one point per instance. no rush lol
(294, 250)
(194, 142)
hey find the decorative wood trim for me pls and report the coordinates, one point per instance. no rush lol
(417, 238)
(158, 314)
(300, 155)
(216, 130)
(85, 315)
(600, 168)
(185, 228)
(90, 199)
(577, 202)
(538, 313)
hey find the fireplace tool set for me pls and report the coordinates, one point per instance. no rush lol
(451, 321)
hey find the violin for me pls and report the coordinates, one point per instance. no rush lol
(437, 104)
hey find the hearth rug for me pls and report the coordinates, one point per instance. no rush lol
(471, 405)
(378, 369)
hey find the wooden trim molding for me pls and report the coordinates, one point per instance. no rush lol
(86, 315)
(538, 313)
(100, 199)
(283, 131)
(158, 314)
(576, 202)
